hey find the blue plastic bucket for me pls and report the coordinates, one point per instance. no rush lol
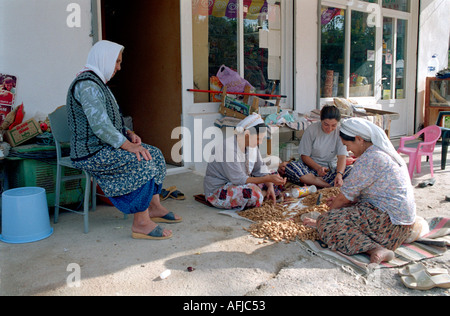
(25, 216)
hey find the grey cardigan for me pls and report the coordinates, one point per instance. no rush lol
(222, 171)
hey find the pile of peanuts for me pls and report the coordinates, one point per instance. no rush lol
(328, 193)
(279, 223)
(281, 230)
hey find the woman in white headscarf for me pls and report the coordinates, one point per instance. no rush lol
(236, 173)
(376, 209)
(129, 172)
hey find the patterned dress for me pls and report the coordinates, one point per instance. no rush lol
(130, 184)
(225, 182)
(384, 210)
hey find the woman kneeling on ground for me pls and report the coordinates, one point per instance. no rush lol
(236, 174)
(376, 209)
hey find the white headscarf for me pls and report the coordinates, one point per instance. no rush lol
(370, 132)
(249, 122)
(102, 59)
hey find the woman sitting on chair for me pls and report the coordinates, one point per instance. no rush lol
(129, 172)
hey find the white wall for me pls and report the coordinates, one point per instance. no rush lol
(433, 39)
(306, 55)
(38, 47)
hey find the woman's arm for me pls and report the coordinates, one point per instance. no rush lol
(268, 179)
(339, 202)
(93, 101)
(321, 171)
(341, 164)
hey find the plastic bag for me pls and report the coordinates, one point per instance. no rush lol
(232, 80)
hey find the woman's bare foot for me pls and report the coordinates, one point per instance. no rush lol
(311, 179)
(157, 210)
(143, 225)
(380, 255)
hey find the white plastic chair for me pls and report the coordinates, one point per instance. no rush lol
(61, 134)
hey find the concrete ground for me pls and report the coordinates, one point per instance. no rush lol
(226, 259)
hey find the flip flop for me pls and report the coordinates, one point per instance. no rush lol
(168, 219)
(427, 183)
(423, 281)
(177, 195)
(447, 198)
(156, 234)
(416, 267)
(165, 193)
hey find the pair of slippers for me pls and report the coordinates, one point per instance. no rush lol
(417, 277)
(172, 193)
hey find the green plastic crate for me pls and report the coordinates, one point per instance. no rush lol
(36, 173)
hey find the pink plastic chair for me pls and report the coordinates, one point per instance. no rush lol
(426, 148)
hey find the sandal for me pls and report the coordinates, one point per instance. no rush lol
(156, 234)
(417, 267)
(427, 183)
(177, 195)
(165, 193)
(168, 219)
(423, 281)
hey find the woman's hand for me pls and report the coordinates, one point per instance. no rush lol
(271, 196)
(338, 181)
(138, 149)
(275, 179)
(322, 171)
(134, 138)
(282, 168)
(338, 202)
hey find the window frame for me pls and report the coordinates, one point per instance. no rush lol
(360, 6)
(287, 56)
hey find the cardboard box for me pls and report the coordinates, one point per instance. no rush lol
(23, 132)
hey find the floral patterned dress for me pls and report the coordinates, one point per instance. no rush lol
(384, 210)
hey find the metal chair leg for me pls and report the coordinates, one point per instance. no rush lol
(57, 193)
(87, 195)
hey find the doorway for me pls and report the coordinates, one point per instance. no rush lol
(148, 88)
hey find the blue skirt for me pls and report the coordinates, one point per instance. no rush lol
(130, 184)
(137, 201)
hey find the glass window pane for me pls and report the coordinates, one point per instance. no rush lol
(402, 27)
(400, 5)
(262, 44)
(362, 63)
(215, 42)
(388, 57)
(333, 52)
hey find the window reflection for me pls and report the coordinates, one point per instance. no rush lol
(220, 37)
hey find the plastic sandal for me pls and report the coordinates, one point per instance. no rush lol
(177, 195)
(165, 193)
(168, 219)
(416, 267)
(423, 281)
(427, 183)
(156, 234)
